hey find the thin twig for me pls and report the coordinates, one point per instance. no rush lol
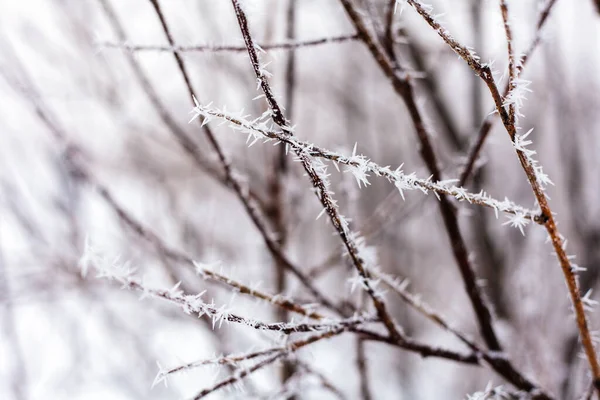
(289, 45)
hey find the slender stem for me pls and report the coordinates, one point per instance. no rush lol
(240, 190)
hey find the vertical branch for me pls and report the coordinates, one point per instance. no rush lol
(512, 70)
(281, 169)
(488, 122)
(361, 361)
(493, 259)
(388, 34)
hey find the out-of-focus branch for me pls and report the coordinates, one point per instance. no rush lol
(162, 111)
(281, 171)
(75, 157)
(290, 45)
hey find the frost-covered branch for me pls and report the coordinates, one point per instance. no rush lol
(280, 300)
(195, 304)
(360, 166)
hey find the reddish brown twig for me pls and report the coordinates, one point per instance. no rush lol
(533, 177)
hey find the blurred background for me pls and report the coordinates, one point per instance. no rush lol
(87, 122)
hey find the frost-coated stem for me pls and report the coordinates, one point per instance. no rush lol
(360, 166)
(317, 179)
(194, 304)
(534, 179)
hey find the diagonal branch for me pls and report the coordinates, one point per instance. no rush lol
(536, 180)
(317, 178)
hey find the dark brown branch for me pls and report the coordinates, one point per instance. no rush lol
(404, 88)
(323, 193)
